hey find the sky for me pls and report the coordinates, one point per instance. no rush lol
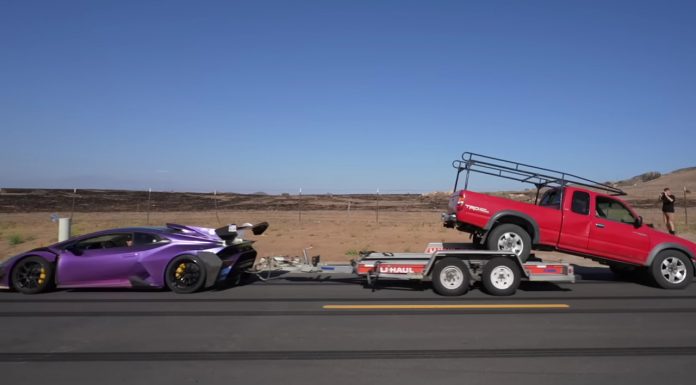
(340, 96)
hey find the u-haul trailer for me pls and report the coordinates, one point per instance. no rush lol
(454, 267)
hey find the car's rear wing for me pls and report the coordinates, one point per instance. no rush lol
(230, 232)
(538, 176)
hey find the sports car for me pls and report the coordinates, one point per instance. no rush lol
(184, 259)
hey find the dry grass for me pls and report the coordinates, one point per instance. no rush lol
(334, 235)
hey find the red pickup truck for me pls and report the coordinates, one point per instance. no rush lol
(568, 218)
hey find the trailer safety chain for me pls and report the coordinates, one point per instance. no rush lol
(257, 274)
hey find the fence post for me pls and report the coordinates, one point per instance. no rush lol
(72, 212)
(149, 192)
(686, 212)
(377, 211)
(299, 206)
(215, 199)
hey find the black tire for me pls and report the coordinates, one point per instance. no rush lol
(501, 276)
(450, 277)
(477, 240)
(510, 237)
(32, 275)
(185, 274)
(672, 270)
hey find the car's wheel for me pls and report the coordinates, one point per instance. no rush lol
(501, 276)
(185, 274)
(450, 277)
(672, 270)
(510, 237)
(32, 275)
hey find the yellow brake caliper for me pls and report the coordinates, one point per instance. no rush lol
(42, 276)
(180, 271)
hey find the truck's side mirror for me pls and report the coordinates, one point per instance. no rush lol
(639, 222)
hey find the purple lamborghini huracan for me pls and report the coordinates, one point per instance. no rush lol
(183, 258)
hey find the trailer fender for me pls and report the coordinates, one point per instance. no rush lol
(466, 258)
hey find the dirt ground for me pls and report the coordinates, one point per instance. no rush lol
(335, 235)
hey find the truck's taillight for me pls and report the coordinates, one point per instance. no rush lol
(460, 201)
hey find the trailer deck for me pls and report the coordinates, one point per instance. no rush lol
(454, 267)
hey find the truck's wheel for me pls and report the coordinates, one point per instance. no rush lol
(450, 277)
(672, 270)
(501, 276)
(510, 237)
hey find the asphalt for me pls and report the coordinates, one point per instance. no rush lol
(318, 329)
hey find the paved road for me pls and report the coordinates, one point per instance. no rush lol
(595, 331)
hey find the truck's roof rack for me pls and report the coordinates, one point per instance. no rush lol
(538, 176)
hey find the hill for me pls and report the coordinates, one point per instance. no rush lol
(647, 192)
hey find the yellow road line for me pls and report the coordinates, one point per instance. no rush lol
(418, 307)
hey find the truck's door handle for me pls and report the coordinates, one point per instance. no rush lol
(600, 225)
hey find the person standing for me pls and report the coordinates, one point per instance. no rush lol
(667, 199)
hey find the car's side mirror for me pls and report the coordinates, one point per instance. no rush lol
(74, 249)
(639, 222)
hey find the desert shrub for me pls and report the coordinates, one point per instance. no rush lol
(648, 176)
(355, 252)
(15, 239)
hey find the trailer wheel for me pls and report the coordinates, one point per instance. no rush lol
(672, 270)
(450, 277)
(501, 276)
(510, 237)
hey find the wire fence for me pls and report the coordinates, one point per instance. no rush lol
(69, 202)
(148, 202)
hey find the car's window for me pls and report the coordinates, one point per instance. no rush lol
(581, 203)
(613, 210)
(108, 241)
(551, 199)
(145, 239)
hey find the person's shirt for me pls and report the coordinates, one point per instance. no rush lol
(667, 204)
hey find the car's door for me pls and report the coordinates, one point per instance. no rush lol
(575, 230)
(614, 234)
(102, 261)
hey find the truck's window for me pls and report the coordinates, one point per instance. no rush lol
(613, 210)
(581, 203)
(551, 199)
